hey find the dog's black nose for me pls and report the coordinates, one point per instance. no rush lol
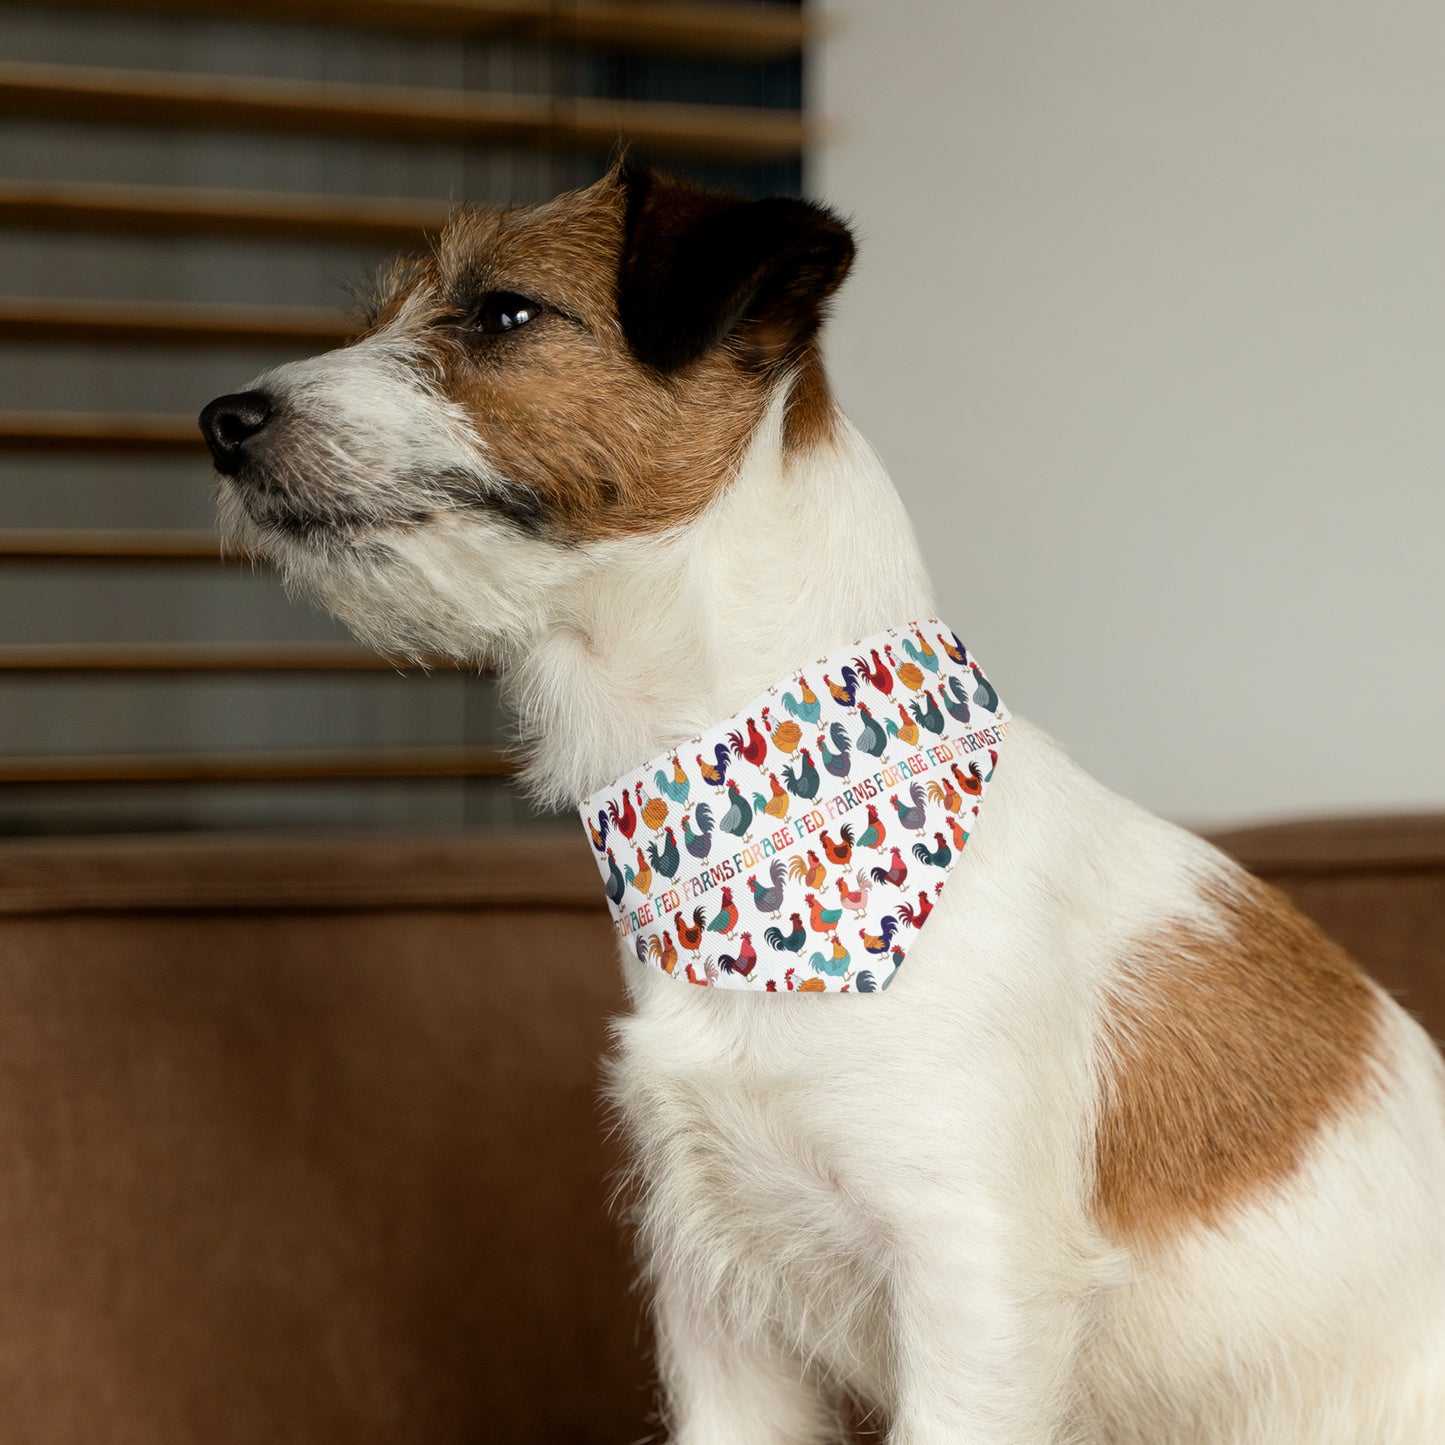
(229, 422)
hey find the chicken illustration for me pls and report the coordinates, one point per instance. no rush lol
(790, 942)
(972, 781)
(754, 747)
(699, 844)
(960, 837)
(693, 976)
(663, 951)
(895, 873)
(847, 694)
(616, 884)
(715, 775)
(873, 835)
(808, 985)
(811, 872)
(955, 699)
(778, 804)
(839, 763)
(944, 792)
(739, 816)
(880, 942)
(929, 715)
(905, 728)
(835, 965)
(878, 674)
(838, 853)
(599, 833)
(653, 810)
(939, 857)
(855, 899)
(785, 735)
(983, 694)
(923, 654)
(726, 918)
(802, 781)
(678, 786)
(690, 935)
(770, 899)
(665, 859)
(956, 651)
(747, 956)
(807, 707)
(913, 817)
(916, 917)
(642, 879)
(908, 673)
(872, 739)
(625, 819)
(865, 982)
(820, 919)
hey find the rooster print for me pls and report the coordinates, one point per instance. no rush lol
(820, 822)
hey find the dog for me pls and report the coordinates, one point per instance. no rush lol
(1129, 1153)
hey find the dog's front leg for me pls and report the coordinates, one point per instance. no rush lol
(723, 1388)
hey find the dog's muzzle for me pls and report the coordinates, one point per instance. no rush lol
(230, 422)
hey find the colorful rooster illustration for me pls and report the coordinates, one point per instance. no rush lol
(726, 918)
(599, 833)
(878, 674)
(802, 781)
(939, 857)
(666, 859)
(906, 729)
(839, 763)
(778, 804)
(908, 673)
(955, 699)
(944, 792)
(913, 817)
(820, 919)
(873, 835)
(690, 935)
(699, 844)
(715, 775)
(865, 982)
(678, 786)
(616, 884)
(971, 782)
(785, 735)
(625, 820)
(653, 810)
(895, 873)
(770, 900)
(809, 708)
(847, 695)
(739, 816)
(835, 965)
(928, 716)
(754, 747)
(983, 694)
(642, 879)
(838, 853)
(960, 837)
(872, 739)
(880, 942)
(790, 942)
(923, 654)
(956, 651)
(916, 917)
(663, 952)
(855, 899)
(811, 872)
(747, 956)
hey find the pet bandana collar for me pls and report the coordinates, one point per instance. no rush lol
(800, 845)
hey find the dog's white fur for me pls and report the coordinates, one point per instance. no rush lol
(892, 1195)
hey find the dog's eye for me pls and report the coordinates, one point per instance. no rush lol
(504, 311)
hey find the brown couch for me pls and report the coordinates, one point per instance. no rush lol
(301, 1139)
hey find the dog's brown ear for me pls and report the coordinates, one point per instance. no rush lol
(699, 266)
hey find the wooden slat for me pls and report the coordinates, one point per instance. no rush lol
(75, 544)
(258, 767)
(218, 102)
(177, 211)
(171, 323)
(79, 431)
(203, 657)
(709, 29)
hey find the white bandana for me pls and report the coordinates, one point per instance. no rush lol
(798, 846)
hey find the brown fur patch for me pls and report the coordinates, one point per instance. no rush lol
(605, 445)
(1226, 1054)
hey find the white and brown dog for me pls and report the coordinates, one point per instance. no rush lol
(1131, 1154)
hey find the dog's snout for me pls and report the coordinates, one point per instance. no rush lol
(229, 422)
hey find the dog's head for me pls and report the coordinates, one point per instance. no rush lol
(546, 384)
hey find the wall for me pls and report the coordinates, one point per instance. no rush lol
(1149, 323)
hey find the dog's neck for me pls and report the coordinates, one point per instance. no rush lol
(657, 638)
